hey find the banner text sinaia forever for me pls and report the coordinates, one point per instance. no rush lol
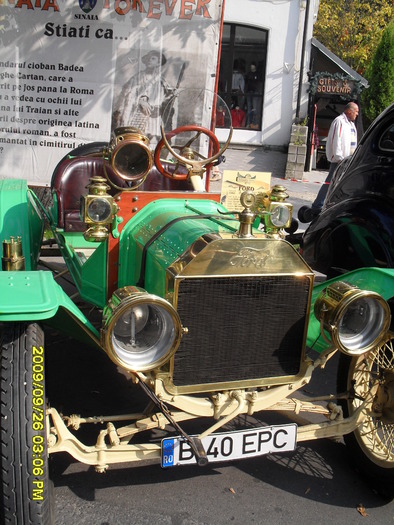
(152, 8)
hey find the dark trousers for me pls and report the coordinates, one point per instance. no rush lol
(317, 204)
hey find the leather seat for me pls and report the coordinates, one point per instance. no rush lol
(71, 178)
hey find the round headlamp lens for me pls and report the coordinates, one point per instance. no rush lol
(141, 331)
(143, 335)
(99, 210)
(362, 323)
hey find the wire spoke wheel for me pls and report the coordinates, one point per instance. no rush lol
(370, 379)
(376, 433)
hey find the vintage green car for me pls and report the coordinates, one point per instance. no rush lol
(210, 311)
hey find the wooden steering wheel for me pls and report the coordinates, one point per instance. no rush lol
(187, 156)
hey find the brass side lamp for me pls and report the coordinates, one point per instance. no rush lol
(97, 210)
(279, 211)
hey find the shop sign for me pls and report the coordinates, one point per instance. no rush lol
(332, 86)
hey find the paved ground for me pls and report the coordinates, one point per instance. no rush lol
(261, 159)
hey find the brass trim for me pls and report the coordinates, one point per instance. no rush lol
(236, 257)
(210, 257)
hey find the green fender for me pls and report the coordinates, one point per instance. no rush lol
(380, 280)
(35, 296)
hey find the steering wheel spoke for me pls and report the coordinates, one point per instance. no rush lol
(187, 156)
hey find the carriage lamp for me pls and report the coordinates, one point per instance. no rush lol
(355, 319)
(129, 154)
(140, 331)
(97, 210)
(279, 212)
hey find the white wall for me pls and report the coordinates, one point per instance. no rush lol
(284, 21)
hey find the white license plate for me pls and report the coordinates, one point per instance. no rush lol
(227, 446)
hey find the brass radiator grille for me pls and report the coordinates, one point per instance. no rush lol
(240, 328)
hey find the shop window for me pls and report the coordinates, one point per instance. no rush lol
(242, 73)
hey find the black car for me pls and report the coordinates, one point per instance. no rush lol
(356, 225)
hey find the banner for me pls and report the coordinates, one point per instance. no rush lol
(72, 71)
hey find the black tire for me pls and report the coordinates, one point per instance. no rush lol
(26, 493)
(371, 445)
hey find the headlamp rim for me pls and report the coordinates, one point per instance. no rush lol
(119, 141)
(331, 317)
(135, 298)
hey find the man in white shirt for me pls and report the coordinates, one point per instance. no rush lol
(341, 142)
(342, 136)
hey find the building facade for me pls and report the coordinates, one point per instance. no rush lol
(264, 62)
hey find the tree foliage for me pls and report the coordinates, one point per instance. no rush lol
(352, 29)
(380, 75)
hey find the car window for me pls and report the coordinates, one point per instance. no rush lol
(386, 142)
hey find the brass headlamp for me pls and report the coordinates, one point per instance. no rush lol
(355, 319)
(130, 157)
(97, 209)
(140, 331)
